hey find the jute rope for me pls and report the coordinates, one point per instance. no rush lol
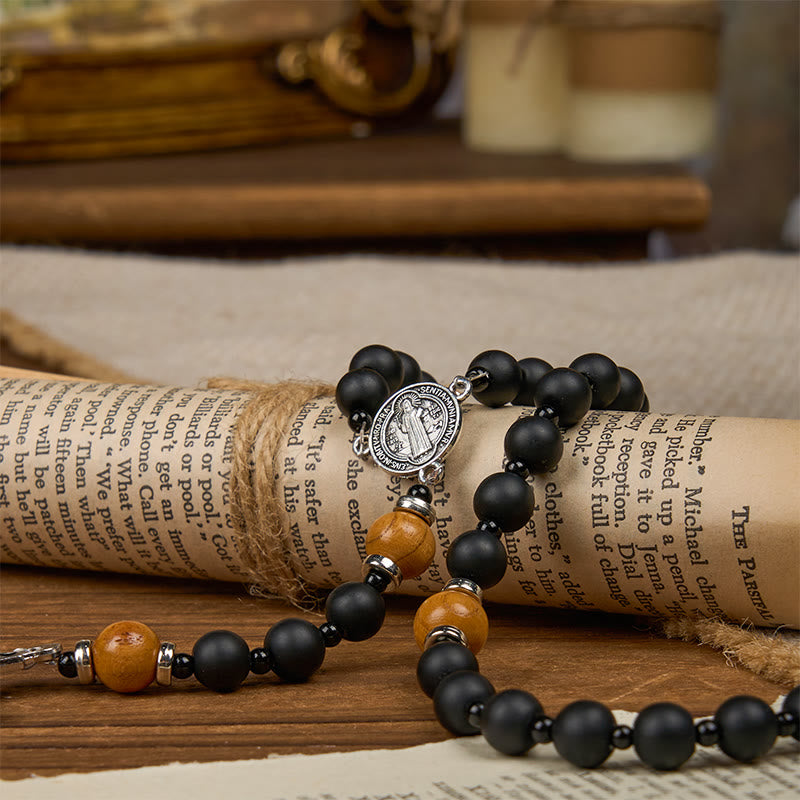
(20, 338)
(255, 505)
(766, 654)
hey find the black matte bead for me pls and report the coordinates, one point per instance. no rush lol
(706, 732)
(542, 730)
(182, 666)
(505, 498)
(664, 736)
(455, 695)
(359, 420)
(439, 661)
(489, 525)
(383, 360)
(356, 609)
(221, 660)
(411, 371)
(361, 390)
(478, 556)
(645, 405)
(567, 392)
(787, 724)
(631, 392)
(603, 376)
(330, 633)
(622, 737)
(296, 648)
(378, 580)
(792, 703)
(505, 377)
(536, 442)
(421, 492)
(259, 661)
(426, 377)
(747, 727)
(507, 721)
(582, 733)
(532, 369)
(67, 666)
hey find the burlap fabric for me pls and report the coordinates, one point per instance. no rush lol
(713, 335)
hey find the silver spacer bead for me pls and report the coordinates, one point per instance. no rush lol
(83, 661)
(166, 655)
(416, 506)
(444, 633)
(384, 565)
(464, 585)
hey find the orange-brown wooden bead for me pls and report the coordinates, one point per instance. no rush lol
(125, 655)
(453, 607)
(405, 538)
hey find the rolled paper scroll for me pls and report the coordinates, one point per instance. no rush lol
(647, 513)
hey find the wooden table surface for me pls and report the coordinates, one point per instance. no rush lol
(365, 695)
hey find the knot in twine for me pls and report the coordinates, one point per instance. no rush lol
(255, 506)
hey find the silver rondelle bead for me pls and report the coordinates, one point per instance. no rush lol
(166, 655)
(416, 506)
(384, 565)
(465, 585)
(445, 633)
(83, 661)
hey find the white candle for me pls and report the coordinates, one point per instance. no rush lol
(516, 77)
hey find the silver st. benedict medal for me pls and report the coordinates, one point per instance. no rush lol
(416, 427)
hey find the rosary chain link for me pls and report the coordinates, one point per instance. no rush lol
(31, 656)
(461, 388)
(361, 442)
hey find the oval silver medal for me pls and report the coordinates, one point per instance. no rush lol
(416, 426)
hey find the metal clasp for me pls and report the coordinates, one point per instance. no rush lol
(31, 656)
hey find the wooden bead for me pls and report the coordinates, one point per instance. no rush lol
(405, 538)
(453, 607)
(125, 655)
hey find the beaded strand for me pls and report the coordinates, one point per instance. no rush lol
(451, 627)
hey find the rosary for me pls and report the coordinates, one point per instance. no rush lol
(408, 423)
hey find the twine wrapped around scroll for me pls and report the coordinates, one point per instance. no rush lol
(260, 430)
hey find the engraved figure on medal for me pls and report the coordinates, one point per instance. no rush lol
(414, 427)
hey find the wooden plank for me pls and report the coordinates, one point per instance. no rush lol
(365, 696)
(423, 184)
